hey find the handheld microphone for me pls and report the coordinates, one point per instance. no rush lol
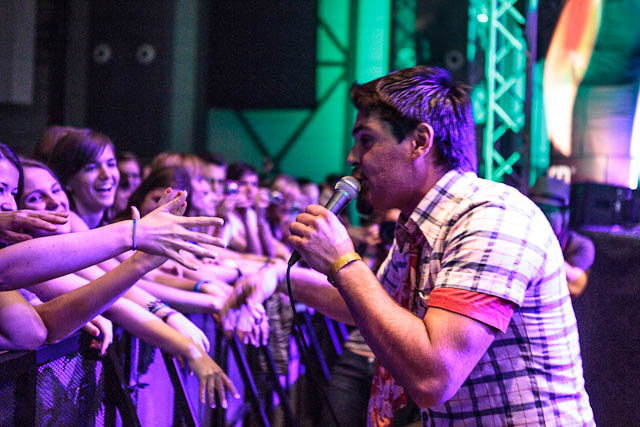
(345, 191)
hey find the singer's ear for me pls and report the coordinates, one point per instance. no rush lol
(423, 140)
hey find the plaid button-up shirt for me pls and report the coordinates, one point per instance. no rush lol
(487, 237)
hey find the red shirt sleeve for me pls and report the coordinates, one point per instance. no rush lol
(490, 310)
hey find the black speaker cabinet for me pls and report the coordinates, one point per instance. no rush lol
(442, 36)
(262, 54)
(601, 204)
(130, 69)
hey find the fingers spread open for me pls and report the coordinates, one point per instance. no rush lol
(194, 249)
(195, 236)
(229, 386)
(174, 255)
(201, 221)
(211, 390)
(203, 386)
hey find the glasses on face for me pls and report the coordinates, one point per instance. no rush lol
(213, 181)
(231, 187)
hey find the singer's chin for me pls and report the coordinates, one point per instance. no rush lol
(363, 205)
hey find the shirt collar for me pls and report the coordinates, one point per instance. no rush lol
(433, 211)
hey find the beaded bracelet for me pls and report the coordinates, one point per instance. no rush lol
(156, 305)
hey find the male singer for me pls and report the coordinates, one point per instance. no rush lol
(469, 314)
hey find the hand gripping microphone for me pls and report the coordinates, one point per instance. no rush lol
(345, 191)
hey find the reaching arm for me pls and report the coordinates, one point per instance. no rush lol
(159, 233)
(216, 273)
(430, 357)
(181, 300)
(141, 323)
(146, 291)
(312, 288)
(210, 285)
(186, 301)
(231, 254)
(145, 325)
(28, 333)
(37, 260)
(68, 312)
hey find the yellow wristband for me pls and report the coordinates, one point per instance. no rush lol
(341, 262)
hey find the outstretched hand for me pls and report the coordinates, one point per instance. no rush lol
(212, 379)
(243, 311)
(13, 223)
(165, 232)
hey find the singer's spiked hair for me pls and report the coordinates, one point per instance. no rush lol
(407, 97)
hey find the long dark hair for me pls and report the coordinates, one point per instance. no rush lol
(7, 153)
(175, 177)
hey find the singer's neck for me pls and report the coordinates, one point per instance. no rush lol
(429, 180)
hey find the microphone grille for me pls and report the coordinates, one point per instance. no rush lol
(349, 185)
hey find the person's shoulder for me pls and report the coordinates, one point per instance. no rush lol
(77, 223)
(472, 191)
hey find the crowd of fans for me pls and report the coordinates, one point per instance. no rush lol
(90, 237)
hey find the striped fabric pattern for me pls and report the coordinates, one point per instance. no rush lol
(487, 237)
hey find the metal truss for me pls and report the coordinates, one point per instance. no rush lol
(403, 34)
(500, 71)
(497, 29)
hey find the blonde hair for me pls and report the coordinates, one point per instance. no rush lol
(192, 163)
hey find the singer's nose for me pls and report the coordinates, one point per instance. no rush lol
(352, 158)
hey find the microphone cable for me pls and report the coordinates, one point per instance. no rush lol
(345, 190)
(304, 350)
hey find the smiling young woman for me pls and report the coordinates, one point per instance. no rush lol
(85, 163)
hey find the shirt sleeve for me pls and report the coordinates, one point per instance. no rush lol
(490, 310)
(498, 248)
